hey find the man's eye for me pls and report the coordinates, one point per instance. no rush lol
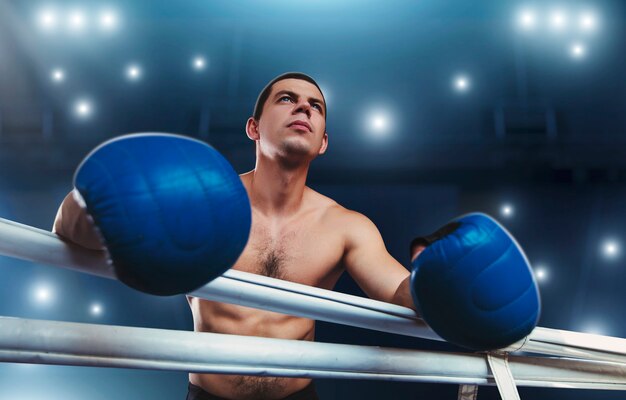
(318, 106)
(285, 97)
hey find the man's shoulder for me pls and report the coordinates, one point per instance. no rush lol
(335, 213)
(320, 201)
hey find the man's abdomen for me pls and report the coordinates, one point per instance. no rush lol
(230, 319)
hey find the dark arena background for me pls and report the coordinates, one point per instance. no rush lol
(435, 109)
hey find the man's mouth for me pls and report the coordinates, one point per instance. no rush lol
(301, 124)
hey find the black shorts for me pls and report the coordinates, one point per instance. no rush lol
(196, 393)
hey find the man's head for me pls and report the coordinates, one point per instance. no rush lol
(265, 93)
(289, 119)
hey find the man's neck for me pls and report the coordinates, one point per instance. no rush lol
(276, 190)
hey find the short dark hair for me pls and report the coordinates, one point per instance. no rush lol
(265, 93)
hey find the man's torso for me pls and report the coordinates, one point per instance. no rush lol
(305, 248)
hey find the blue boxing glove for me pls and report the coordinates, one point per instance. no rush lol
(473, 285)
(171, 210)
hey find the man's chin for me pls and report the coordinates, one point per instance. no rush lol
(296, 154)
(296, 148)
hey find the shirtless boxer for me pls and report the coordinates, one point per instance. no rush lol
(297, 234)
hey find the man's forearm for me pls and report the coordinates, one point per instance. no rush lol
(73, 224)
(402, 296)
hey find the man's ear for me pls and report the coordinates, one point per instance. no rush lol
(324, 144)
(252, 129)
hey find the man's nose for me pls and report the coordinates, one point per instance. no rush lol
(303, 106)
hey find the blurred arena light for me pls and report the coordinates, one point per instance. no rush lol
(379, 124)
(76, 21)
(507, 210)
(108, 20)
(541, 273)
(558, 20)
(527, 20)
(198, 63)
(588, 22)
(133, 72)
(610, 249)
(83, 109)
(577, 51)
(47, 19)
(461, 83)
(57, 75)
(95, 309)
(42, 294)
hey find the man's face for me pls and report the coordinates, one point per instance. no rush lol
(293, 124)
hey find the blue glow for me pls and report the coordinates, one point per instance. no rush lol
(594, 328)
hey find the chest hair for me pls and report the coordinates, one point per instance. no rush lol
(273, 264)
(274, 253)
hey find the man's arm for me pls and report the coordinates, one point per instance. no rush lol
(72, 223)
(369, 263)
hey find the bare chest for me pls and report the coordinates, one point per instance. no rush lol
(302, 251)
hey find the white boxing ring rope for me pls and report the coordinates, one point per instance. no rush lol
(66, 343)
(236, 287)
(602, 364)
